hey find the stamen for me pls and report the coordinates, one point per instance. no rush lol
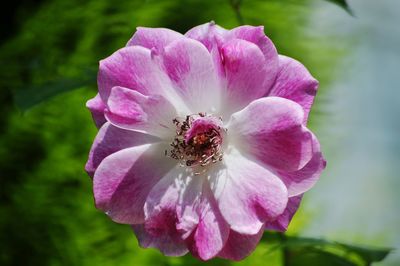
(198, 141)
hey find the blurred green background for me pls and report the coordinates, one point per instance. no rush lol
(48, 59)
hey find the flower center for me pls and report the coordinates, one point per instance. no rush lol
(198, 140)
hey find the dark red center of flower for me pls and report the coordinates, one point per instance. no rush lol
(198, 140)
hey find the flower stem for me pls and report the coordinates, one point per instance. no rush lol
(235, 4)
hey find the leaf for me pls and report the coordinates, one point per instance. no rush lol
(369, 255)
(317, 257)
(343, 4)
(340, 251)
(26, 98)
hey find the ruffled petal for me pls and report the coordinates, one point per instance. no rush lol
(270, 130)
(111, 139)
(282, 222)
(166, 243)
(257, 36)
(201, 222)
(190, 67)
(154, 38)
(130, 109)
(246, 73)
(136, 68)
(248, 194)
(124, 179)
(212, 37)
(208, 34)
(295, 83)
(302, 180)
(96, 106)
(239, 246)
(238, 62)
(161, 211)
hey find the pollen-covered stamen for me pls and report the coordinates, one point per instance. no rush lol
(198, 140)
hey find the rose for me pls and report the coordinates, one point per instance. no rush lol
(203, 141)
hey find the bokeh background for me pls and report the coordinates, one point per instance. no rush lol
(48, 59)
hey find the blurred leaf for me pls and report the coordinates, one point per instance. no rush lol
(343, 4)
(28, 97)
(314, 248)
(317, 257)
(368, 254)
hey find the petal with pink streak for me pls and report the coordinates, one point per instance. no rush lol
(257, 36)
(246, 73)
(200, 220)
(96, 107)
(154, 38)
(208, 34)
(166, 243)
(111, 139)
(302, 180)
(282, 222)
(212, 37)
(248, 194)
(190, 67)
(295, 83)
(270, 130)
(124, 179)
(239, 246)
(132, 110)
(161, 210)
(216, 38)
(132, 67)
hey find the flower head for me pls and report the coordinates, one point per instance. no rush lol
(203, 141)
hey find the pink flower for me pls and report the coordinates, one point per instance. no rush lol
(203, 141)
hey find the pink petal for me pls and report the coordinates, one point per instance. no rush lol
(156, 38)
(270, 130)
(207, 34)
(96, 107)
(132, 67)
(239, 245)
(257, 36)
(238, 62)
(302, 180)
(212, 37)
(123, 180)
(130, 109)
(161, 212)
(201, 222)
(294, 82)
(246, 73)
(189, 65)
(282, 222)
(248, 194)
(111, 139)
(166, 243)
